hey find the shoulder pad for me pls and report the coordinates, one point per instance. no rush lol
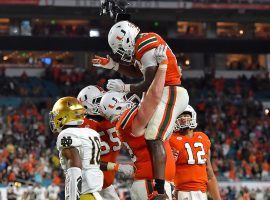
(205, 137)
(92, 132)
(125, 120)
(67, 139)
(145, 43)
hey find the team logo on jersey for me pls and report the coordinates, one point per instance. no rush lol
(66, 141)
(179, 138)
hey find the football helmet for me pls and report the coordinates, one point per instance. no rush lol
(121, 39)
(66, 111)
(183, 122)
(90, 97)
(113, 104)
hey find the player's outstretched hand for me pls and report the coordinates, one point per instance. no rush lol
(117, 85)
(106, 63)
(160, 54)
(126, 169)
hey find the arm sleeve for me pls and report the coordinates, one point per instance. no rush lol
(73, 183)
(148, 59)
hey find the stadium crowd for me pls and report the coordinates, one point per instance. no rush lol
(237, 125)
(228, 111)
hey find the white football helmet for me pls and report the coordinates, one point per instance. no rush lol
(121, 39)
(113, 104)
(186, 122)
(90, 97)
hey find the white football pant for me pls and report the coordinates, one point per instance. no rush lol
(173, 102)
(92, 180)
(192, 195)
(109, 193)
(140, 189)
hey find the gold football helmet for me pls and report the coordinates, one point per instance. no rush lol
(66, 111)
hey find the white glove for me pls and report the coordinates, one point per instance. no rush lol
(118, 85)
(128, 170)
(160, 54)
(106, 63)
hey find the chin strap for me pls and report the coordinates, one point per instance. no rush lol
(75, 123)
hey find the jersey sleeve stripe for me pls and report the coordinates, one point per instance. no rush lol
(127, 117)
(168, 113)
(146, 42)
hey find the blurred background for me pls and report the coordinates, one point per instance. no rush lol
(222, 46)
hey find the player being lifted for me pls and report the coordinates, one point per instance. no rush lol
(131, 121)
(79, 150)
(138, 49)
(90, 97)
(194, 173)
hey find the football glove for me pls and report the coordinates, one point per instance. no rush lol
(106, 63)
(118, 85)
(128, 170)
(160, 54)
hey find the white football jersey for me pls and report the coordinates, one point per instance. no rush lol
(53, 192)
(40, 193)
(87, 142)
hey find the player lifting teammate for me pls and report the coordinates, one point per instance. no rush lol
(131, 121)
(138, 49)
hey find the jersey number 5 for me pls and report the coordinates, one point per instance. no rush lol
(113, 138)
(191, 160)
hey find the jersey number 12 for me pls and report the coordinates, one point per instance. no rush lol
(191, 160)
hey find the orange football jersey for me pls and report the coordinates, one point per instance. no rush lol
(110, 144)
(138, 148)
(191, 160)
(148, 41)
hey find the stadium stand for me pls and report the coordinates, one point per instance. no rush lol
(229, 111)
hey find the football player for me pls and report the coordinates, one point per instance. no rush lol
(79, 150)
(194, 173)
(138, 49)
(90, 97)
(131, 121)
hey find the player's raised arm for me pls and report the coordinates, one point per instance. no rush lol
(109, 63)
(153, 95)
(212, 184)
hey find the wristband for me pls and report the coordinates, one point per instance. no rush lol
(162, 66)
(112, 166)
